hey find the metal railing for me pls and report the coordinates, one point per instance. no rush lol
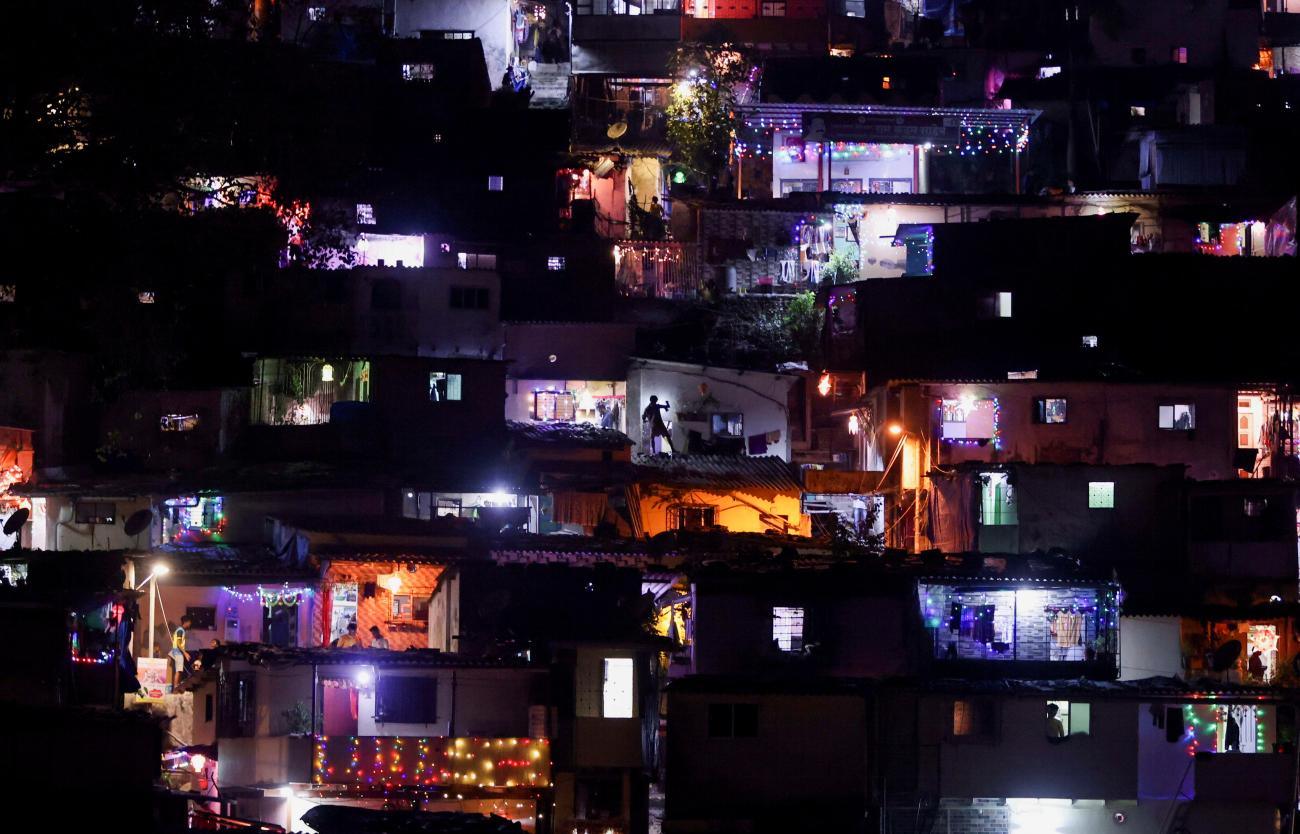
(658, 269)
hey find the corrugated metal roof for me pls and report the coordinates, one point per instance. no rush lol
(717, 471)
(582, 435)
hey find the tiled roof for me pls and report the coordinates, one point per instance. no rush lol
(221, 563)
(572, 434)
(717, 471)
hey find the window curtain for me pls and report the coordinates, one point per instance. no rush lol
(953, 512)
(584, 508)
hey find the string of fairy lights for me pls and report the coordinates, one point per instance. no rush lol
(271, 597)
(973, 140)
(396, 761)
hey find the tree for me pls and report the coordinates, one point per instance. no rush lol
(803, 322)
(840, 269)
(702, 110)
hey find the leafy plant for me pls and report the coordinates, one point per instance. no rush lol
(803, 322)
(702, 110)
(840, 269)
(297, 719)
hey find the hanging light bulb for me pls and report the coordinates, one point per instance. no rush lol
(327, 372)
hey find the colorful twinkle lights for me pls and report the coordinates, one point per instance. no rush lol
(384, 762)
(271, 597)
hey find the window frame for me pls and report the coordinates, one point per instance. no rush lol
(726, 725)
(462, 297)
(621, 663)
(1108, 497)
(983, 712)
(94, 513)
(1042, 415)
(454, 394)
(422, 702)
(708, 512)
(1173, 415)
(795, 633)
(1070, 710)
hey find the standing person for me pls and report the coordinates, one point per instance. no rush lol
(653, 415)
(180, 651)
(377, 640)
(1055, 729)
(655, 221)
(349, 639)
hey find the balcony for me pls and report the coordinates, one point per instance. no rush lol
(658, 269)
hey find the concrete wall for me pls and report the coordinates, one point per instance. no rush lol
(1017, 759)
(761, 397)
(809, 755)
(1150, 647)
(247, 512)
(175, 598)
(484, 702)
(54, 525)
(736, 510)
(1113, 424)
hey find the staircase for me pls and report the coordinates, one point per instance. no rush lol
(550, 85)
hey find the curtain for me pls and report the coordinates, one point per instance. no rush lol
(952, 513)
(584, 508)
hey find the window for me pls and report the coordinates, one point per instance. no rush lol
(886, 83)
(733, 720)
(419, 72)
(997, 500)
(691, 518)
(787, 628)
(1137, 110)
(496, 183)
(238, 715)
(1090, 341)
(444, 387)
(469, 298)
(1177, 417)
(437, 138)
(1075, 718)
(202, 617)
(843, 308)
(966, 418)
(617, 688)
(96, 512)
(472, 260)
(561, 406)
(365, 214)
(1049, 410)
(178, 422)
(315, 13)
(972, 719)
(728, 425)
(402, 607)
(386, 294)
(773, 9)
(1004, 305)
(406, 699)
(555, 263)
(1101, 495)
(1254, 507)
(8, 293)
(1179, 55)
(146, 297)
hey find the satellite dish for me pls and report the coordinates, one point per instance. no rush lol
(616, 130)
(1225, 656)
(15, 522)
(138, 522)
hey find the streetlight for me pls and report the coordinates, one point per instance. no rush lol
(159, 569)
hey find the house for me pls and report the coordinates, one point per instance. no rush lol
(760, 754)
(590, 622)
(1086, 756)
(702, 492)
(568, 372)
(578, 469)
(17, 458)
(304, 727)
(718, 411)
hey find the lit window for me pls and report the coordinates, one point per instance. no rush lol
(315, 13)
(1177, 416)
(728, 425)
(997, 500)
(444, 387)
(1090, 341)
(471, 260)
(365, 214)
(179, 422)
(1048, 72)
(773, 9)
(437, 138)
(617, 688)
(146, 297)
(555, 263)
(1101, 495)
(969, 419)
(1137, 110)
(496, 183)
(1075, 719)
(972, 718)
(1004, 305)
(691, 517)
(561, 406)
(1050, 410)
(1254, 507)
(1179, 55)
(886, 83)
(787, 628)
(419, 72)
(8, 293)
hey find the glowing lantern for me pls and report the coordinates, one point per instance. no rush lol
(853, 424)
(392, 582)
(327, 373)
(824, 385)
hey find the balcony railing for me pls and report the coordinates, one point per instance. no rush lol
(658, 269)
(393, 761)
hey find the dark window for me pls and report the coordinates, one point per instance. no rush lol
(96, 512)
(1173, 724)
(733, 720)
(238, 717)
(202, 617)
(407, 699)
(280, 625)
(469, 298)
(208, 708)
(420, 608)
(972, 719)
(773, 9)
(386, 294)
(694, 518)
